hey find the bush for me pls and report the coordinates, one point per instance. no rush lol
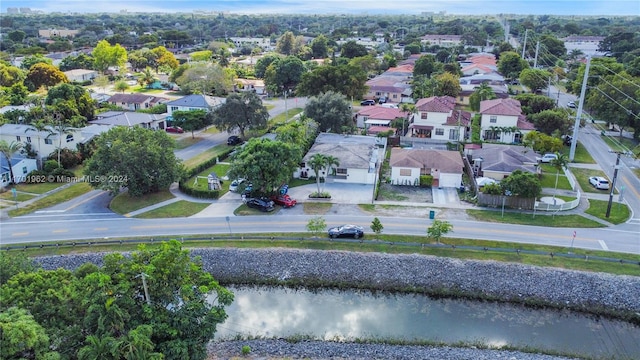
(61, 173)
(202, 194)
(49, 166)
(246, 350)
(36, 176)
(68, 158)
(426, 180)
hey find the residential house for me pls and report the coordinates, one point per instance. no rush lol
(21, 167)
(131, 119)
(503, 121)
(133, 102)
(261, 42)
(442, 40)
(255, 85)
(358, 156)
(407, 165)
(63, 33)
(81, 75)
(43, 142)
(436, 118)
(393, 88)
(369, 116)
(588, 45)
(194, 102)
(469, 84)
(497, 161)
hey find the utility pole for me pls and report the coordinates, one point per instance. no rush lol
(144, 286)
(524, 45)
(613, 182)
(535, 60)
(576, 125)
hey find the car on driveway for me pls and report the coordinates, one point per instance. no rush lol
(284, 200)
(368, 102)
(174, 129)
(233, 187)
(262, 204)
(547, 158)
(348, 230)
(599, 182)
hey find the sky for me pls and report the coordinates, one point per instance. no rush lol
(463, 7)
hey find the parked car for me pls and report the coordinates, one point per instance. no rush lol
(382, 100)
(547, 158)
(234, 140)
(284, 200)
(367, 102)
(566, 139)
(262, 204)
(233, 187)
(599, 182)
(348, 230)
(571, 104)
(247, 190)
(174, 129)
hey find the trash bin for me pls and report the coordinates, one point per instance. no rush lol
(432, 214)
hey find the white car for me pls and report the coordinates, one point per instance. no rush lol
(571, 104)
(233, 187)
(599, 182)
(547, 158)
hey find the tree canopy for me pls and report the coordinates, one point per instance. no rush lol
(241, 112)
(105, 55)
(139, 159)
(331, 111)
(511, 64)
(522, 184)
(344, 79)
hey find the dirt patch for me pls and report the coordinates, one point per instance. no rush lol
(415, 194)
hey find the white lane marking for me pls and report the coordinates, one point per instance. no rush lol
(603, 244)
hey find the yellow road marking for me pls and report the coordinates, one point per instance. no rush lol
(61, 231)
(101, 229)
(20, 234)
(83, 201)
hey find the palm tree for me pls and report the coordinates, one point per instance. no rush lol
(61, 128)
(39, 126)
(99, 348)
(147, 77)
(409, 109)
(559, 163)
(7, 151)
(330, 162)
(318, 162)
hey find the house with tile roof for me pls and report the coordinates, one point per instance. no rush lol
(502, 121)
(358, 156)
(393, 86)
(407, 165)
(133, 102)
(436, 118)
(377, 116)
(194, 102)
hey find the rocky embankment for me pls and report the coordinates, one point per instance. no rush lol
(583, 291)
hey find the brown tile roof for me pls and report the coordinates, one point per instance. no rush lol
(443, 160)
(442, 104)
(382, 113)
(524, 124)
(501, 107)
(459, 117)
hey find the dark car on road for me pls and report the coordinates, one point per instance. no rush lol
(234, 140)
(262, 204)
(174, 129)
(354, 231)
(368, 102)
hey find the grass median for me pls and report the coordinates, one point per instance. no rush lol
(56, 198)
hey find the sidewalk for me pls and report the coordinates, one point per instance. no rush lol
(4, 212)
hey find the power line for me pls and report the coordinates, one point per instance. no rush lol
(617, 103)
(620, 91)
(616, 74)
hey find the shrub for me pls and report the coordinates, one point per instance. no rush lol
(36, 176)
(61, 173)
(68, 158)
(49, 166)
(246, 350)
(426, 180)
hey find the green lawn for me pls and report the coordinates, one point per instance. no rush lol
(619, 212)
(186, 141)
(581, 155)
(541, 219)
(124, 204)
(59, 197)
(8, 195)
(202, 184)
(39, 188)
(213, 152)
(548, 180)
(582, 176)
(284, 117)
(180, 208)
(617, 143)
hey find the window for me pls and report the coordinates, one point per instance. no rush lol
(174, 108)
(493, 119)
(48, 141)
(18, 138)
(405, 172)
(439, 131)
(29, 139)
(341, 171)
(69, 138)
(423, 115)
(24, 170)
(453, 134)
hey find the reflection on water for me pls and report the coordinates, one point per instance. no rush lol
(333, 314)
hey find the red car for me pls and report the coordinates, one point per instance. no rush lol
(174, 129)
(284, 200)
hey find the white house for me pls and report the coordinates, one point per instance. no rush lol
(43, 142)
(194, 102)
(135, 102)
(436, 118)
(358, 157)
(131, 119)
(255, 85)
(407, 165)
(21, 167)
(81, 75)
(503, 121)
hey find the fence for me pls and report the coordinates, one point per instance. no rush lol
(541, 206)
(225, 238)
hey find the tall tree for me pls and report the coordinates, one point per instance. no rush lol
(331, 111)
(522, 184)
(241, 112)
(164, 59)
(10, 75)
(559, 163)
(189, 120)
(45, 75)
(351, 50)
(284, 75)
(535, 79)
(22, 336)
(550, 121)
(286, 44)
(317, 163)
(348, 80)
(448, 85)
(511, 64)
(116, 162)
(426, 65)
(77, 99)
(319, 47)
(106, 55)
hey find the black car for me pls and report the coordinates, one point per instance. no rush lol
(367, 102)
(262, 204)
(234, 140)
(354, 231)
